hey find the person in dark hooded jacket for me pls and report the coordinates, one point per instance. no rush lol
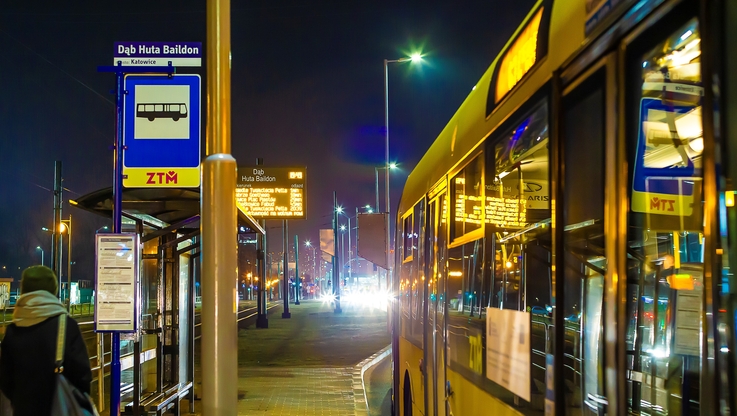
(27, 353)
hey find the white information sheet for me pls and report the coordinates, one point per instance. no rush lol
(508, 350)
(115, 280)
(688, 322)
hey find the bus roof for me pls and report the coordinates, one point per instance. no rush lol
(470, 125)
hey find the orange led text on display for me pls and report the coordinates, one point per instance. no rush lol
(519, 58)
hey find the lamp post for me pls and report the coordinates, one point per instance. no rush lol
(336, 276)
(342, 228)
(42, 254)
(66, 225)
(415, 58)
(315, 277)
(376, 174)
(342, 251)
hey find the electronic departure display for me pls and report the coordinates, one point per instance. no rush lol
(272, 193)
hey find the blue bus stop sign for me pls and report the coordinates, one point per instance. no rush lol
(161, 131)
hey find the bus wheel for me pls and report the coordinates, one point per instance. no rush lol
(407, 393)
(150, 119)
(175, 118)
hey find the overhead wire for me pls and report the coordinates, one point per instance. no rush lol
(107, 100)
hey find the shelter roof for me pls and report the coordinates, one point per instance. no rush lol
(168, 205)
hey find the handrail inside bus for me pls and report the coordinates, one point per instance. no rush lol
(534, 226)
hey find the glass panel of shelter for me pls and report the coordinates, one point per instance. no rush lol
(665, 240)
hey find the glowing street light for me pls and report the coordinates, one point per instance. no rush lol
(392, 165)
(315, 277)
(42, 254)
(66, 226)
(415, 58)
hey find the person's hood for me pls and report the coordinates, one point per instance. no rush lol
(35, 307)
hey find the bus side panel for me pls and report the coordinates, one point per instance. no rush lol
(411, 355)
(468, 399)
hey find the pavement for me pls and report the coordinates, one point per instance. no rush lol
(308, 364)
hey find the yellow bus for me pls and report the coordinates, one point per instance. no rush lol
(563, 247)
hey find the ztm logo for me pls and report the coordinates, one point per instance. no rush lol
(158, 178)
(658, 204)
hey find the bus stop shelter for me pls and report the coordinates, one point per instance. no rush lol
(157, 361)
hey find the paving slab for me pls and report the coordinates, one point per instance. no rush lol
(305, 365)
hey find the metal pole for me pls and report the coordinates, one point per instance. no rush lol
(355, 254)
(350, 256)
(296, 269)
(69, 265)
(262, 318)
(386, 166)
(117, 228)
(376, 173)
(101, 372)
(336, 276)
(259, 266)
(55, 233)
(285, 268)
(219, 227)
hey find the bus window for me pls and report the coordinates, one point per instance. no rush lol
(517, 274)
(583, 246)
(403, 274)
(466, 191)
(407, 237)
(465, 336)
(665, 240)
(465, 279)
(418, 277)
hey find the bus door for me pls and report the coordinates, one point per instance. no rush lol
(435, 344)
(665, 240)
(586, 114)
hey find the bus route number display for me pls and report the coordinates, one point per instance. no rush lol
(272, 193)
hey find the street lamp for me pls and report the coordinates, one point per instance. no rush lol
(414, 58)
(315, 276)
(342, 228)
(42, 254)
(342, 244)
(66, 225)
(376, 174)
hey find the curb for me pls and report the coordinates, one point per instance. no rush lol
(359, 390)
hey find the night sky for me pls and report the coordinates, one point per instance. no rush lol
(307, 88)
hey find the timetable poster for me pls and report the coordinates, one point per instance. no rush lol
(115, 282)
(508, 350)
